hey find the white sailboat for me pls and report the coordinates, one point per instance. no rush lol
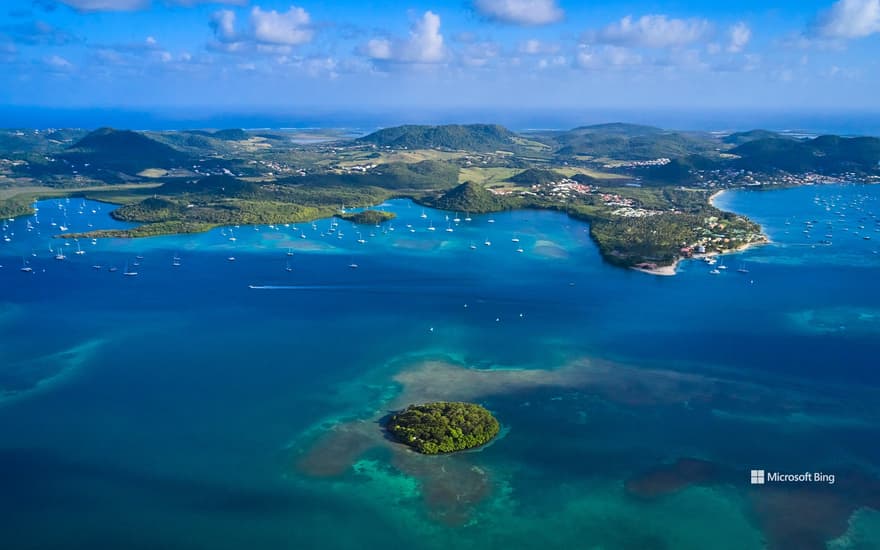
(128, 272)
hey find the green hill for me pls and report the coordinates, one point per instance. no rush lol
(471, 197)
(232, 134)
(619, 128)
(823, 154)
(123, 150)
(629, 142)
(535, 176)
(471, 137)
(738, 138)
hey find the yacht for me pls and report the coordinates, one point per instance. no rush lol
(128, 272)
(487, 242)
(290, 252)
(25, 266)
(79, 250)
(423, 216)
(473, 246)
(431, 227)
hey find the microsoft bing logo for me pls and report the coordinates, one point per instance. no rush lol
(758, 477)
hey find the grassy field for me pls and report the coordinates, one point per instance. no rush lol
(488, 177)
(570, 171)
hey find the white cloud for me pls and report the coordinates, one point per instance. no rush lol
(556, 61)
(480, 54)
(520, 12)
(536, 47)
(132, 5)
(269, 32)
(849, 19)
(606, 57)
(106, 5)
(58, 63)
(290, 28)
(223, 23)
(739, 35)
(423, 45)
(651, 31)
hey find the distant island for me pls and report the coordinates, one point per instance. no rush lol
(443, 427)
(644, 191)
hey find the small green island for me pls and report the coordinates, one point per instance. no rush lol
(368, 217)
(443, 427)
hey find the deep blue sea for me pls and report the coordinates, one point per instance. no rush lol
(235, 404)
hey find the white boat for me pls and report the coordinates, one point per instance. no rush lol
(353, 265)
(431, 227)
(714, 272)
(361, 240)
(515, 239)
(473, 246)
(230, 259)
(128, 272)
(488, 242)
(79, 250)
(423, 216)
(25, 267)
(290, 252)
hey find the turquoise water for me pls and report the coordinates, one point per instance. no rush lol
(183, 408)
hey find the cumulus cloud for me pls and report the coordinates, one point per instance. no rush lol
(606, 57)
(739, 36)
(289, 28)
(849, 19)
(268, 31)
(520, 12)
(57, 63)
(651, 31)
(479, 54)
(423, 45)
(223, 24)
(106, 5)
(537, 47)
(132, 5)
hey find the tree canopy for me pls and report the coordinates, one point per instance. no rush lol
(443, 427)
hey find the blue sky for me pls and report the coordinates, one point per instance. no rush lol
(530, 54)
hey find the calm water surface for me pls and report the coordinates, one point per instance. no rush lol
(183, 408)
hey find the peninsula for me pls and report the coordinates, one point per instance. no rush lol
(644, 191)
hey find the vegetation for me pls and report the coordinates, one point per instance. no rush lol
(443, 427)
(368, 217)
(473, 198)
(471, 137)
(640, 209)
(535, 176)
(122, 150)
(827, 154)
(627, 141)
